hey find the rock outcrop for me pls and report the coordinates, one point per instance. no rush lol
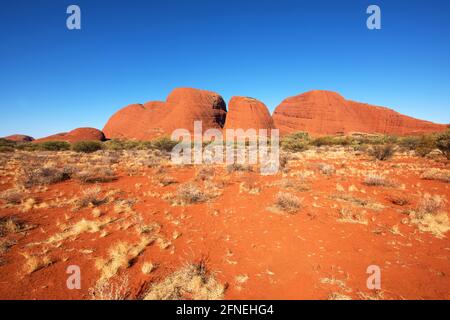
(328, 113)
(182, 107)
(248, 113)
(76, 135)
(19, 138)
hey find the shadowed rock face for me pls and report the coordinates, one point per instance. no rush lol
(19, 138)
(80, 134)
(327, 113)
(182, 107)
(248, 113)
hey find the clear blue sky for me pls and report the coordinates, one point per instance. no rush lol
(53, 79)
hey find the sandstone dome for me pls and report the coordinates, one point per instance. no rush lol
(327, 113)
(182, 107)
(248, 113)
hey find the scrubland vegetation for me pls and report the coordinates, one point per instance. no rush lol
(142, 227)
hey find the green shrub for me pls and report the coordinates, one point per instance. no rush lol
(87, 146)
(382, 153)
(295, 142)
(164, 144)
(54, 146)
(28, 146)
(443, 143)
(323, 141)
(127, 145)
(422, 145)
(7, 143)
(6, 149)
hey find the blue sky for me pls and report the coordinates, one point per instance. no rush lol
(53, 79)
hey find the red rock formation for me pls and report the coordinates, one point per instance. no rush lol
(80, 134)
(328, 113)
(182, 107)
(248, 113)
(19, 138)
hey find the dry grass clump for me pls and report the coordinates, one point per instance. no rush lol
(363, 203)
(430, 217)
(111, 290)
(326, 169)
(96, 175)
(237, 167)
(349, 216)
(205, 173)
(9, 225)
(338, 296)
(250, 187)
(124, 205)
(148, 267)
(164, 180)
(82, 226)
(90, 198)
(189, 193)
(35, 263)
(12, 196)
(373, 179)
(436, 174)
(287, 202)
(44, 176)
(192, 282)
(119, 257)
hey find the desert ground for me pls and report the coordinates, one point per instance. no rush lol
(140, 227)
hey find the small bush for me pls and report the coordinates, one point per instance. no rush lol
(126, 145)
(87, 146)
(443, 143)
(295, 142)
(28, 146)
(382, 153)
(54, 146)
(96, 175)
(163, 144)
(189, 193)
(377, 180)
(323, 141)
(431, 204)
(287, 202)
(44, 176)
(326, 169)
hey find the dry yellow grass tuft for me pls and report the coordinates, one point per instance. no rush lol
(111, 290)
(436, 174)
(192, 282)
(119, 257)
(373, 179)
(286, 202)
(430, 217)
(34, 263)
(349, 216)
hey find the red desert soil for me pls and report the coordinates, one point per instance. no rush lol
(259, 252)
(247, 113)
(79, 134)
(327, 113)
(183, 106)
